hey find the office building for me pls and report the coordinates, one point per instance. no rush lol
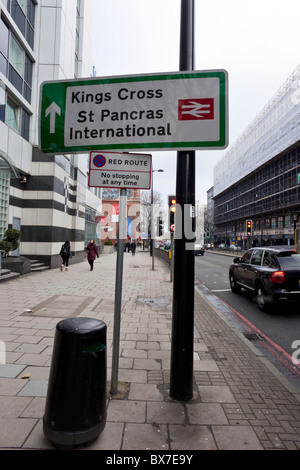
(258, 178)
(45, 197)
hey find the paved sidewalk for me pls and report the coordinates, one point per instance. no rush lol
(240, 401)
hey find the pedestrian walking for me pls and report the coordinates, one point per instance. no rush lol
(92, 253)
(133, 248)
(65, 253)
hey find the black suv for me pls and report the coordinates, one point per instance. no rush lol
(272, 274)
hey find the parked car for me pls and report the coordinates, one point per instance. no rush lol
(199, 249)
(167, 245)
(271, 274)
(234, 247)
(208, 245)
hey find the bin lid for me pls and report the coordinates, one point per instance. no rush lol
(81, 326)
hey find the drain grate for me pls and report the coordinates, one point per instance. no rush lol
(60, 306)
(155, 302)
(252, 336)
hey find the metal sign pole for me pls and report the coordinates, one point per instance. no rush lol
(152, 224)
(118, 293)
(181, 378)
(172, 257)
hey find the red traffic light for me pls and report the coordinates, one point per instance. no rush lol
(249, 227)
(172, 208)
(172, 201)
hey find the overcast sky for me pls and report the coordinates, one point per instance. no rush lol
(256, 41)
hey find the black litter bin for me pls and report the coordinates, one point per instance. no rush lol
(75, 412)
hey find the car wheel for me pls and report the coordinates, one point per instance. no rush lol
(233, 285)
(261, 301)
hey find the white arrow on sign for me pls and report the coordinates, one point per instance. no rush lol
(196, 109)
(53, 109)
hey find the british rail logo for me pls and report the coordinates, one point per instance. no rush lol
(196, 109)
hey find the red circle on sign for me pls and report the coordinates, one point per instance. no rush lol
(99, 161)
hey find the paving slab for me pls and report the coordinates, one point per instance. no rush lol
(236, 438)
(189, 437)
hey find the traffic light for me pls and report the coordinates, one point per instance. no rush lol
(160, 226)
(172, 210)
(249, 228)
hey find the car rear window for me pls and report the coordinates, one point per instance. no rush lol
(284, 254)
(290, 261)
(269, 260)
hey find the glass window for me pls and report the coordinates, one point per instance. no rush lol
(27, 79)
(30, 23)
(269, 260)
(4, 196)
(3, 38)
(18, 15)
(22, 4)
(30, 35)
(31, 12)
(287, 221)
(15, 79)
(246, 258)
(12, 118)
(3, 47)
(256, 257)
(27, 93)
(25, 125)
(28, 71)
(16, 55)
(20, 68)
(3, 65)
(292, 261)
(23, 13)
(2, 104)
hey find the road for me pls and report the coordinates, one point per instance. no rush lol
(272, 333)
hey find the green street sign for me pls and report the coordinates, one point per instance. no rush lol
(173, 111)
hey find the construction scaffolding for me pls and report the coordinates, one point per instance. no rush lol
(259, 176)
(275, 129)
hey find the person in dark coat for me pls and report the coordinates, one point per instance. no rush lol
(133, 248)
(65, 253)
(92, 253)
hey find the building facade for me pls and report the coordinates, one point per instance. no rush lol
(258, 179)
(45, 197)
(110, 219)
